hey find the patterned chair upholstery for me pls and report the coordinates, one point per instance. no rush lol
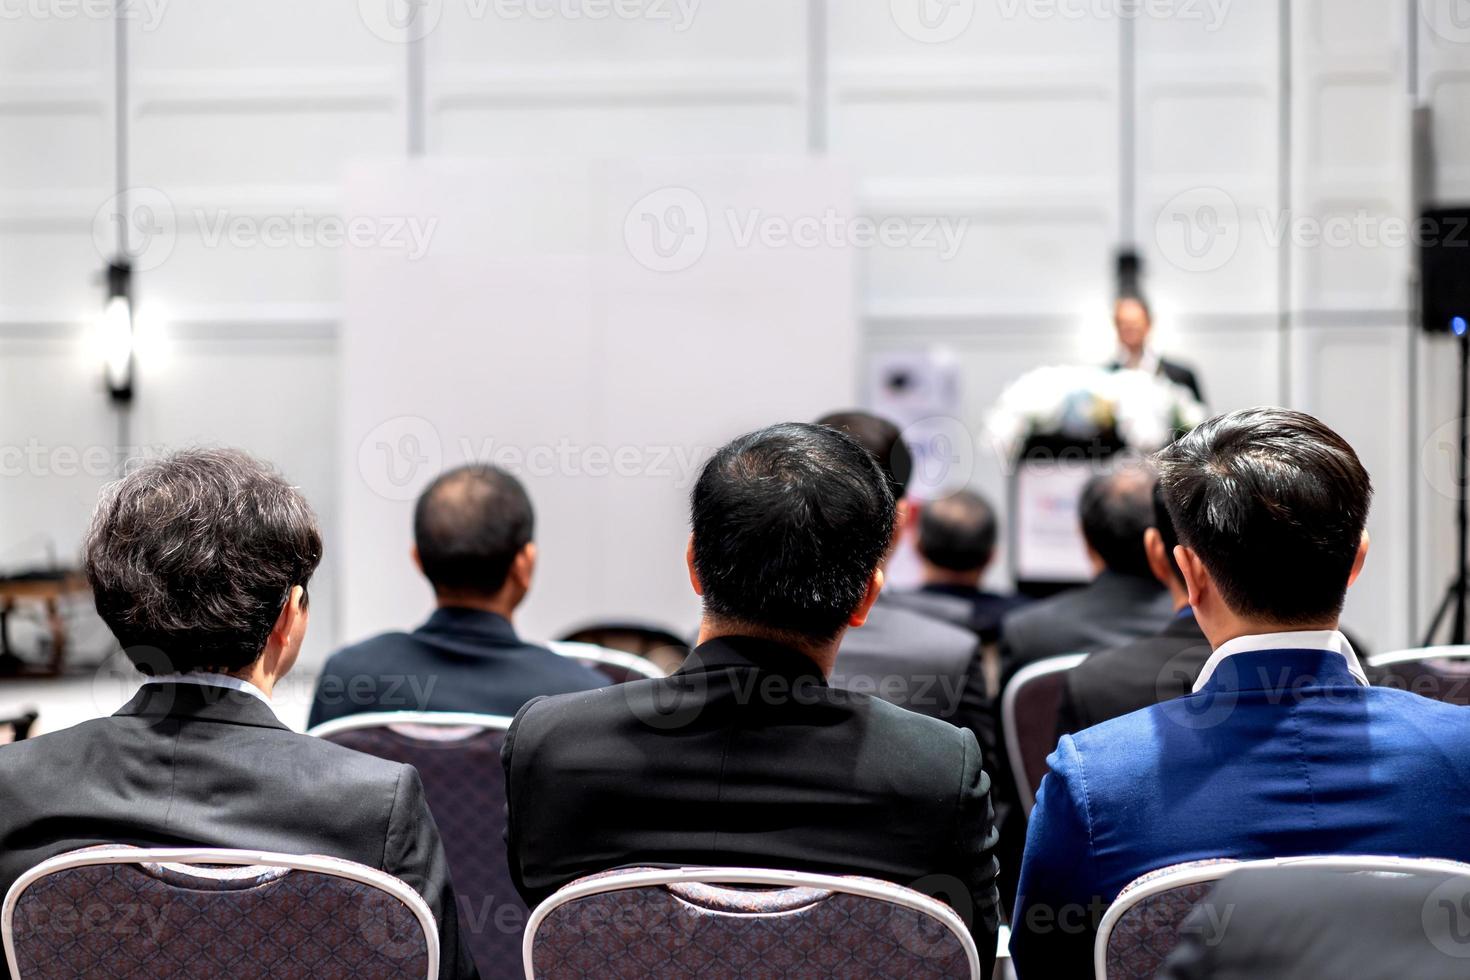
(1030, 707)
(458, 758)
(1146, 931)
(1438, 673)
(124, 912)
(724, 924)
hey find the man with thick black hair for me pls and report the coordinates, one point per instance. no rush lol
(473, 529)
(199, 562)
(746, 756)
(1281, 748)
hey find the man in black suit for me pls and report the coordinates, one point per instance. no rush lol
(1122, 603)
(199, 564)
(1134, 322)
(1147, 671)
(1303, 924)
(473, 542)
(956, 544)
(904, 654)
(746, 756)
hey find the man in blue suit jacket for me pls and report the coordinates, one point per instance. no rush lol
(1282, 748)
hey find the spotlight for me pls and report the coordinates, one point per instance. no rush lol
(1457, 326)
(115, 333)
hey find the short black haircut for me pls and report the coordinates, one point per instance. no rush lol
(881, 438)
(191, 558)
(1164, 524)
(1116, 509)
(1274, 504)
(789, 524)
(958, 532)
(469, 525)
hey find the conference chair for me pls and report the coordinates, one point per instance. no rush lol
(121, 911)
(616, 665)
(700, 922)
(1439, 673)
(1029, 709)
(1142, 926)
(458, 759)
(662, 646)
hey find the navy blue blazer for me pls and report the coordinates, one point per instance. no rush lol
(460, 660)
(1278, 753)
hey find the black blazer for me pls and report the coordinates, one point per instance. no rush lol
(1135, 675)
(746, 757)
(186, 765)
(907, 658)
(1303, 924)
(460, 660)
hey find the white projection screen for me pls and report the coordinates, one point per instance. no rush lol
(596, 327)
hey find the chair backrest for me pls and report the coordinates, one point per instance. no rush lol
(691, 922)
(617, 666)
(1440, 673)
(16, 727)
(1143, 925)
(116, 911)
(1029, 710)
(647, 640)
(458, 758)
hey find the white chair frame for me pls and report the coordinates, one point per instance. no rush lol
(172, 856)
(1186, 875)
(1419, 653)
(602, 655)
(1040, 668)
(882, 891)
(426, 719)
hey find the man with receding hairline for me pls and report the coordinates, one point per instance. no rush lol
(1281, 748)
(473, 530)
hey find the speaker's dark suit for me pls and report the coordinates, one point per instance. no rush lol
(1135, 675)
(745, 757)
(1301, 924)
(460, 660)
(185, 765)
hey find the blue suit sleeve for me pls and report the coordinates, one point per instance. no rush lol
(1057, 905)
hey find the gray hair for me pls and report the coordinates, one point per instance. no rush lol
(191, 558)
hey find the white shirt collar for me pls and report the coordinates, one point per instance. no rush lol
(211, 680)
(1148, 362)
(1330, 641)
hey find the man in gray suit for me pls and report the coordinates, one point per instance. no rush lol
(1123, 603)
(901, 655)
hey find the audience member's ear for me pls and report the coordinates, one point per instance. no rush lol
(693, 575)
(285, 638)
(1158, 557)
(413, 552)
(1196, 579)
(875, 585)
(1358, 560)
(524, 566)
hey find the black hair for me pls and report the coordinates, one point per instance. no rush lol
(1116, 508)
(469, 525)
(881, 438)
(958, 532)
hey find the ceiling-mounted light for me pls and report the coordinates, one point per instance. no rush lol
(115, 332)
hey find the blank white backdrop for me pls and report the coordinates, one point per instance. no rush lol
(1059, 130)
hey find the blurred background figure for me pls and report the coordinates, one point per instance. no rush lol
(1134, 323)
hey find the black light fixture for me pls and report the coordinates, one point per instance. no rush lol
(116, 333)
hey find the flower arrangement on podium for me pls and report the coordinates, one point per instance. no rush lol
(1091, 407)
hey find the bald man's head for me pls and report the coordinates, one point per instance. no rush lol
(469, 526)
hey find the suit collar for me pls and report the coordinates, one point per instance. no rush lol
(458, 619)
(1116, 583)
(1331, 656)
(201, 702)
(752, 653)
